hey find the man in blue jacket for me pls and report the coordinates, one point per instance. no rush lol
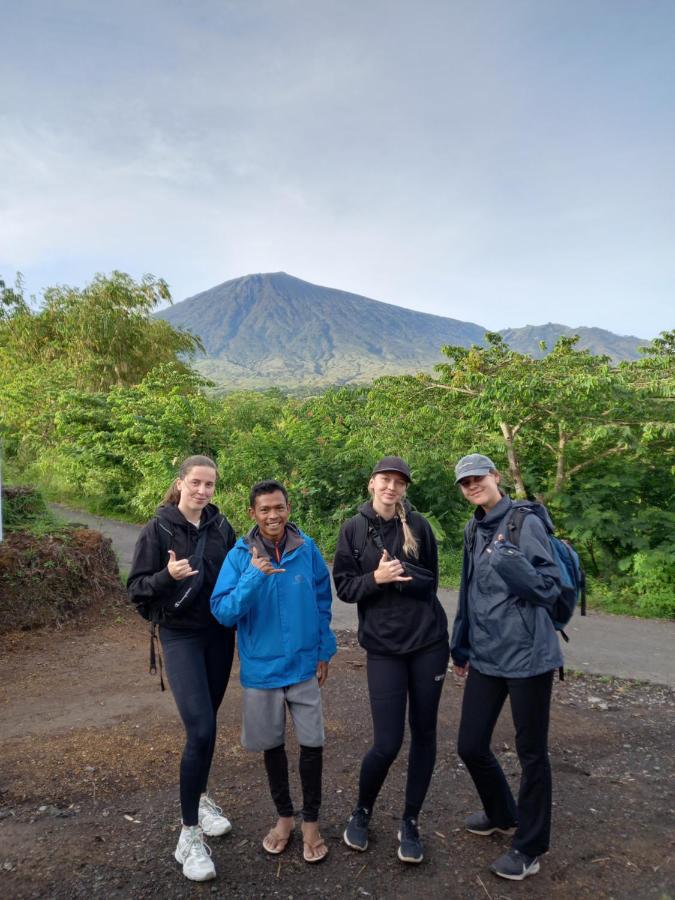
(275, 587)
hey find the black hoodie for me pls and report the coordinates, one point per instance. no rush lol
(149, 576)
(394, 618)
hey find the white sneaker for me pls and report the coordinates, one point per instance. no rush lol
(211, 818)
(194, 855)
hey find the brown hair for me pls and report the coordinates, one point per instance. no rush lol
(172, 496)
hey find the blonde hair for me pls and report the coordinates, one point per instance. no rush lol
(172, 496)
(410, 543)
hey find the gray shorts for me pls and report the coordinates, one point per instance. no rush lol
(264, 715)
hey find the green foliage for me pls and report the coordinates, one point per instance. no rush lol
(24, 510)
(99, 404)
(653, 580)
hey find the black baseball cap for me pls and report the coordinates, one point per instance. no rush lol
(393, 464)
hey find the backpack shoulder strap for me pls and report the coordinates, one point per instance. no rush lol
(359, 535)
(363, 529)
(514, 522)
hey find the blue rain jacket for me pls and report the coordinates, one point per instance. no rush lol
(283, 620)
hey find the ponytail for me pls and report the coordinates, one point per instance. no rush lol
(172, 496)
(410, 543)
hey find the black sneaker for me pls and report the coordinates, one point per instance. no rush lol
(411, 850)
(515, 865)
(478, 823)
(356, 833)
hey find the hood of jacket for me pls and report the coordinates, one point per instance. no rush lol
(366, 509)
(173, 517)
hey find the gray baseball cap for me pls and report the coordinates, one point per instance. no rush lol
(473, 464)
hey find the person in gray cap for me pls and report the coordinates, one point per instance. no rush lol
(504, 644)
(387, 563)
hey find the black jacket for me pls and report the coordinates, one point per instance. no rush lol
(399, 617)
(149, 578)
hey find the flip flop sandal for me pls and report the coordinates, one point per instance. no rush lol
(281, 842)
(313, 847)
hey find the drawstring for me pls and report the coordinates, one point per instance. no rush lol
(154, 656)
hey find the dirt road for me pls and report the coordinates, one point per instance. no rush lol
(88, 796)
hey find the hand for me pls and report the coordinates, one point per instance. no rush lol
(390, 570)
(179, 568)
(322, 673)
(498, 540)
(460, 671)
(263, 563)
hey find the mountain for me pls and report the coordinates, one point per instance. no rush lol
(276, 330)
(265, 330)
(597, 340)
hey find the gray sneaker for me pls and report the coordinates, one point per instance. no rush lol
(515, 865)
(478, 823)
(356, 833)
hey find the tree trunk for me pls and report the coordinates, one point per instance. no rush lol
(514, 465)
(560, 464)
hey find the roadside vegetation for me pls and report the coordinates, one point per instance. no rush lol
(100, 404)
(50, 573)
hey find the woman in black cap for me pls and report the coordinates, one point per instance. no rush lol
(504, 643)
(387, 563)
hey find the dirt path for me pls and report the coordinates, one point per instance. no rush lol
(88, 797)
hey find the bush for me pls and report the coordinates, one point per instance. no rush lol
(654, 583)
(24, 509)
(50, 579)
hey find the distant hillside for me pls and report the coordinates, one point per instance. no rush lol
(597, 340)
(276, 330)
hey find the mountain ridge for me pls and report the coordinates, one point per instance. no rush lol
(272, 329)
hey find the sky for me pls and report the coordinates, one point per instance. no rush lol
(503, 162)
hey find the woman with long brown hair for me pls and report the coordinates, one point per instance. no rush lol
(176, 562)
(387, 563)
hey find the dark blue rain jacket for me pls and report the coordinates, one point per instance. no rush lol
(503, 626)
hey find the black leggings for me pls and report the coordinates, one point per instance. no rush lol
(391, 680)
(310, 766)
(484, 696)
(198, 667)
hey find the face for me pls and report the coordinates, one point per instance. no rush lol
(196, 489)
(387, 488)
(271, 513)
(481, 490)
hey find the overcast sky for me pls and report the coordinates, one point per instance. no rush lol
(505, 162)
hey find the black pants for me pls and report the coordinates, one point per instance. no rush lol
(484, 697)
(391, 681)
(198, 667)
(310, 766)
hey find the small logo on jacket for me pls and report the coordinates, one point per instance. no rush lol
(439, 677)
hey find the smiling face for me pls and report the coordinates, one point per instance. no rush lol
(482, 490)
(271, 512)
(387, 488)
(196, 490)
